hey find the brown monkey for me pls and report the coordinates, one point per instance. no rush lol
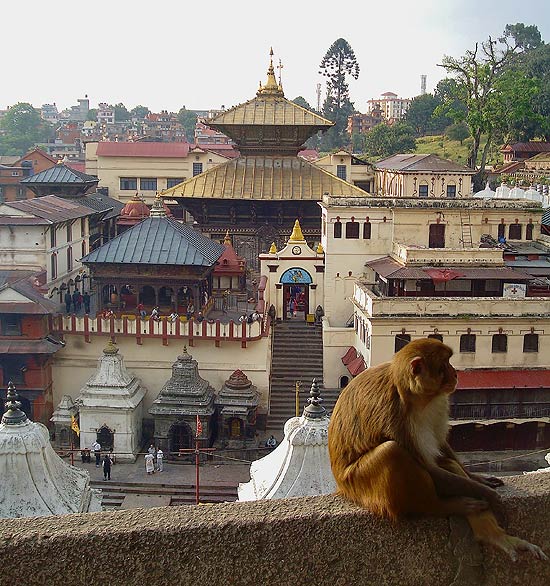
(389, 452)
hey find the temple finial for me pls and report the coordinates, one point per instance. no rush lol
(314, 409)
(157, 209)
(297, 235)
(13, 414)
(227, 239)
(273, 248)
(271, 88)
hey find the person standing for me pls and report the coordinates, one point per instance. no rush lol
(96, 447)
(151, 450)
(149, 463)
(68, 300)
(107, 462)
(160, 456)
(86, 300)
(76, 300)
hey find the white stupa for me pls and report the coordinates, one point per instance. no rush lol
(110, 405)
(35, 480)
(299, 465)
(486, 193)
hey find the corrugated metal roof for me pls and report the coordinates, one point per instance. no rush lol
(158, 241)
(22, 282)
(546, 218)
(28, 347)
(429, 163)
(269, 111)
(389, 268)
(51, 208)
(102, 203)
(265, 177)
(60, 174)
(503, 379)
(143, 149)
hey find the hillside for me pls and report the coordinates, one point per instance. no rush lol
(450, 149)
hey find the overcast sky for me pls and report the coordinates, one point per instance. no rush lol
(169, 53)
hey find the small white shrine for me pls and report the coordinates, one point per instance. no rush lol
(35, 480)
(62, 419)
(299, 465)
(110, 406)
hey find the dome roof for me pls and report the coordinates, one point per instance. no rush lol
(502, 191)
(486, 193)
(135, 208)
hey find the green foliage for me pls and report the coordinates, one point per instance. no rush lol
(357, 142)
(22, 128)
(458, 131)
(188, 120)
(338, 63)
(303, 103)
(92, 114)
(121, 113)
(383, 140)
(139, 112)
(423, 116)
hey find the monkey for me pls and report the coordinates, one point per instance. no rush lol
(389, 452)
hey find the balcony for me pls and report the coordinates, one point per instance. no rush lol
(301, 541)
(420, 255)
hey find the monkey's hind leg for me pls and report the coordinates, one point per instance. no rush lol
(487, 530)
(389, 481)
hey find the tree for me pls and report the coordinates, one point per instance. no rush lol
(302, 102)
(423, 116)
(21, 128)
(357, 142)
(121, 112)
(383, 140)
(476, 76)
(92, 114)
(188, 120)
(139, 112)
(338, 63)
(458, 131)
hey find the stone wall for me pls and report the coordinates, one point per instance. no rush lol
(305, 541)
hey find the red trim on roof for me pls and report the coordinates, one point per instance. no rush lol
(143, 149)
(350, 355)
(503, 379)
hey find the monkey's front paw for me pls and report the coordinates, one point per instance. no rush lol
(513, 545)
(469, 506)
(491, 481)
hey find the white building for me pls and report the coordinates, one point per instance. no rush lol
(392, 107)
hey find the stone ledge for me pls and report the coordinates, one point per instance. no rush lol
(305, 541)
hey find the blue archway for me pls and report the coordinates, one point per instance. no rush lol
(296, 276)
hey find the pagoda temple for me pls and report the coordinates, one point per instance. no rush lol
(261, 192)
(185, 398)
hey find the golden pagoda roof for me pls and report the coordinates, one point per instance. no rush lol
(265, 177)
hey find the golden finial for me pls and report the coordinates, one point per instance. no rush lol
(273, 248)
(320, 249)
(296, 235)
(110, 349)
(157, 209)
(227, 239)
(271, 88)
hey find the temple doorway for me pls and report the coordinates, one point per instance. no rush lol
(105, 438)
(296, 305)
(180, 436)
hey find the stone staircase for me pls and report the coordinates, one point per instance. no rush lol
(114, 493)
(297, 354)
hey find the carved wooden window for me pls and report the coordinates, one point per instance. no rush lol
(367, 230)
(341, 172)
(468, 343)
(437, 236)
(197, 169)
(338, 229)
(501, 230)
(401, 340)
(514, 232)
(423, 190)
(529, 231)
(531, 343)
(451, 190)
(500, 343)
(352, 229)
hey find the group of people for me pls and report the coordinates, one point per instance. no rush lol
(106, 462)
(173, 317)
(77, 300)
(250, 319)
(154, 460)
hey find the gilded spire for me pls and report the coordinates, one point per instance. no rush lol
(273, 248)
(227, 239)
(320, 249)
(271, 88)
(110, 349)
(157, 209)
(296, 235)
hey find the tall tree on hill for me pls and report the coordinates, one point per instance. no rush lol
(384, 140)
(483, 85)
(21, 128)
(422, 116)
(139, 112)
(121, 112)
(338, 63)
(188, 119)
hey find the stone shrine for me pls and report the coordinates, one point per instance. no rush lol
(299, 465)
(35, 480)
(62, 420)
(110, 406)
(237, 403)
(184, 397)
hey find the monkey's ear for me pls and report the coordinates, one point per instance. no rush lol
(416, 364)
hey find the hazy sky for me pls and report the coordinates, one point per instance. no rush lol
(169, 53)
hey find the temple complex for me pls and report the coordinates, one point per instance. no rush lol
(110, 406)
(182, 402)
(259, 194)
(157, 262)
(35, 480)
(300, 464)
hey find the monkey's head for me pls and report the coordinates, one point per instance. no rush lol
(422, 367)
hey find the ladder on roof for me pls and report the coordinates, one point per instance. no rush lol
(466, 228)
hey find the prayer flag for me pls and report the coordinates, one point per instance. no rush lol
(199, 426)
(74, 425)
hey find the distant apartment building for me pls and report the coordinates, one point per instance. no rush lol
(77, 113)
(392, 107)
(49, 113)
(362, 123)
(105, 114)
(206, 135)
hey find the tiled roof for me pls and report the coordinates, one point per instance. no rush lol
(28, 347)
(102, 203)
(22, 282)
(60, 174)
(265, 177)
(430, 163)
(527, 147)
(143, 149)
(503, 379)
(49, 209)
(158, 241)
